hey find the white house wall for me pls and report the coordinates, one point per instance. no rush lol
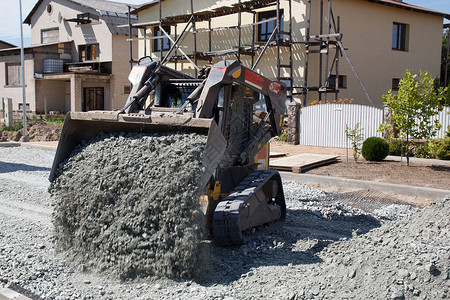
(367, 33)
(15, 92)
(120, 65)
(95, 32)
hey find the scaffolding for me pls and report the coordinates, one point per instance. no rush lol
(326, 44)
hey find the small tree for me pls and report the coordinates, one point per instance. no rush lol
(356, 137)
(413, 106)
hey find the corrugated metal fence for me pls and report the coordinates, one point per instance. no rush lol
(444, 120)
(324, 125)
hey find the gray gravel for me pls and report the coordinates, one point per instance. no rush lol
(326, 249)
(127, 205)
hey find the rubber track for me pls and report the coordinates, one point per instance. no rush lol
(226, 220)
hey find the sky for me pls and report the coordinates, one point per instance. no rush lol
(10, 19)
(10, 16)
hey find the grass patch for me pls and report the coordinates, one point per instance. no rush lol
(55, 120)
(17, 125)
(50, 120)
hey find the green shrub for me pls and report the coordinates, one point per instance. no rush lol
(437, 148)
(17, 125)
(443, 152)
(434, 146)
(55, 119)
(375, 149)
(424, 151)
(355, 136)
(283, 137)
(395, 148)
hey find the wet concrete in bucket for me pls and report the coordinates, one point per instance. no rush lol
(126, 205)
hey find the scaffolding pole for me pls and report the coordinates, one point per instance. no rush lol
(194, 34)
(353, 68)
(327, 74)
(307, 46)
(279, 38)
(130, 35)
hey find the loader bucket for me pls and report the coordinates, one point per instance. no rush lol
(82, 126)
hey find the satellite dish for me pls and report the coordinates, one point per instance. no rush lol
(59, 17)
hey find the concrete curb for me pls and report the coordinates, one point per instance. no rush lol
(406, 190)
(9, 144)
(8, 294)
(37, 145)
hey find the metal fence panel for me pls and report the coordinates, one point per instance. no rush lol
(324, 125)
(444, 120)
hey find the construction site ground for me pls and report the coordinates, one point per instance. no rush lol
(417, 184)
(428, 173)
(345, 237)
(420, 175)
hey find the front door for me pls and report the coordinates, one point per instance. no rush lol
(93, 98)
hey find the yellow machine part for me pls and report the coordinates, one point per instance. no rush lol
(212, 194)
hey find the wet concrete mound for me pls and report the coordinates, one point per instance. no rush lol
(127, 205)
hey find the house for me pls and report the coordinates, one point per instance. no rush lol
(79, 58)
(5, 45)
(354, 49)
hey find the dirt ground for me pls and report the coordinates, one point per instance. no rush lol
(423, 174)
(36, 131)
(388, 171)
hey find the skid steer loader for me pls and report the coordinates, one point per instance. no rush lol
(241, 193)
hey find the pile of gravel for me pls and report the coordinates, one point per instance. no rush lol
(127, 205)
(404, 259)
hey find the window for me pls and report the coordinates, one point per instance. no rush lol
(342, 82)
(13, 74)
(88, 52)
(93, 98)
(395, 82)
(20, 106)
(126, 89)
(50, 35)
(265, 29)
(165, 41)
(400, 37)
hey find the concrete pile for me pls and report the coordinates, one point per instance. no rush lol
(127, 205)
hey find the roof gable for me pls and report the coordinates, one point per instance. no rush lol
(407, 6)
(112, 13)
(99, 5)
(4, 45)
